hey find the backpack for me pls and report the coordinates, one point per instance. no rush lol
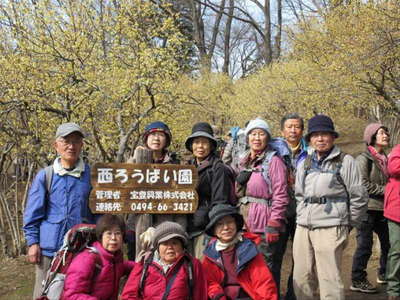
(239, 146)
(49, 171)
(233, 200)
(337, 161)
(78, 238)
(280, 148)
(147, 262)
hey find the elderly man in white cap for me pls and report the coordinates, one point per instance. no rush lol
(58, 200)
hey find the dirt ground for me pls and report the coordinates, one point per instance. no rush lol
(16, 276)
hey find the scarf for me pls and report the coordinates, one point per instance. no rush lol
(220, 246)
(61, 171)
(157, 259)
(380, 158)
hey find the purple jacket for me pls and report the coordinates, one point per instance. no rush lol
(95, 276)
(257, 187)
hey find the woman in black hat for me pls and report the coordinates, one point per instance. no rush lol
(215, 185)
(157, 137)
(235, 268)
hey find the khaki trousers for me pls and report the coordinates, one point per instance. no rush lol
(40, 275)
(317, 258)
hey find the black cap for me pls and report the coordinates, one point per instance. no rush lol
(201, 129)
(320, 123)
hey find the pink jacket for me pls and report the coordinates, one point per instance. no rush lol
(95, 276)
(392, 190)
(156, 282)
(260, 214)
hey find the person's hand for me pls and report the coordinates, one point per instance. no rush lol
(34, 254)
(146, 238)
(272, 231)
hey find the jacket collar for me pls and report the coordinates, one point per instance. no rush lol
(208, 162)
(335, 151)
(245, 252)
(108, 256)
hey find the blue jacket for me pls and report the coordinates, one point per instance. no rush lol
(47, 219)
(246, 250)
(303, 153)
(280, 145)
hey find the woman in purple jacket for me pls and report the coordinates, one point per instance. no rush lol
(95, 273)
(262, 192)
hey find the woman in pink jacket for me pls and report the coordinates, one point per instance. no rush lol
(94, 274)
(262, 192)
(168, 272)
(392, 213)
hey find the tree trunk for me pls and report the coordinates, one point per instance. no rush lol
(141, 221)
(278, 37)
(227, 38)
(267, 30)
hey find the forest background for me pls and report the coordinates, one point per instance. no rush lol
(115, 65)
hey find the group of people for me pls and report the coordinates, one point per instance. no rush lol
(251, 201)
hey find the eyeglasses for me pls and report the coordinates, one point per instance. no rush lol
(67, 142)
(110, 234)
(258, 134)
(225, 223)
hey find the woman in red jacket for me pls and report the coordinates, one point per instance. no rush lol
(168, 271)
(95, 273)
(235, 268)
(392, 213)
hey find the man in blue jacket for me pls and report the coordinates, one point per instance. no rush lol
(58, 200)
(292, 128)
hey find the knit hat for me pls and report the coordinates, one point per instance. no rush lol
(169, 230)
(258, 124)
(371, 130)
(201, 129)
(218, 212)
(67, 128)
(157, 126)
(320, 123)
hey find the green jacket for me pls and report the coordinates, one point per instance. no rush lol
(373, 179)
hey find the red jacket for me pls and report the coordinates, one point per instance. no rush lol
(156, 282)
(253, 273)
(95, 276)
(392, 190)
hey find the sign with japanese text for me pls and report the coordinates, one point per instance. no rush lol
(143, 188)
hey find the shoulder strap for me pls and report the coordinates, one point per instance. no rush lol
(190, 276)
(339, 161)
(369, 162)
(49, 171)
(307, 165)
(339, 178)
(146, 264)
(265, 169)
(171, 280)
